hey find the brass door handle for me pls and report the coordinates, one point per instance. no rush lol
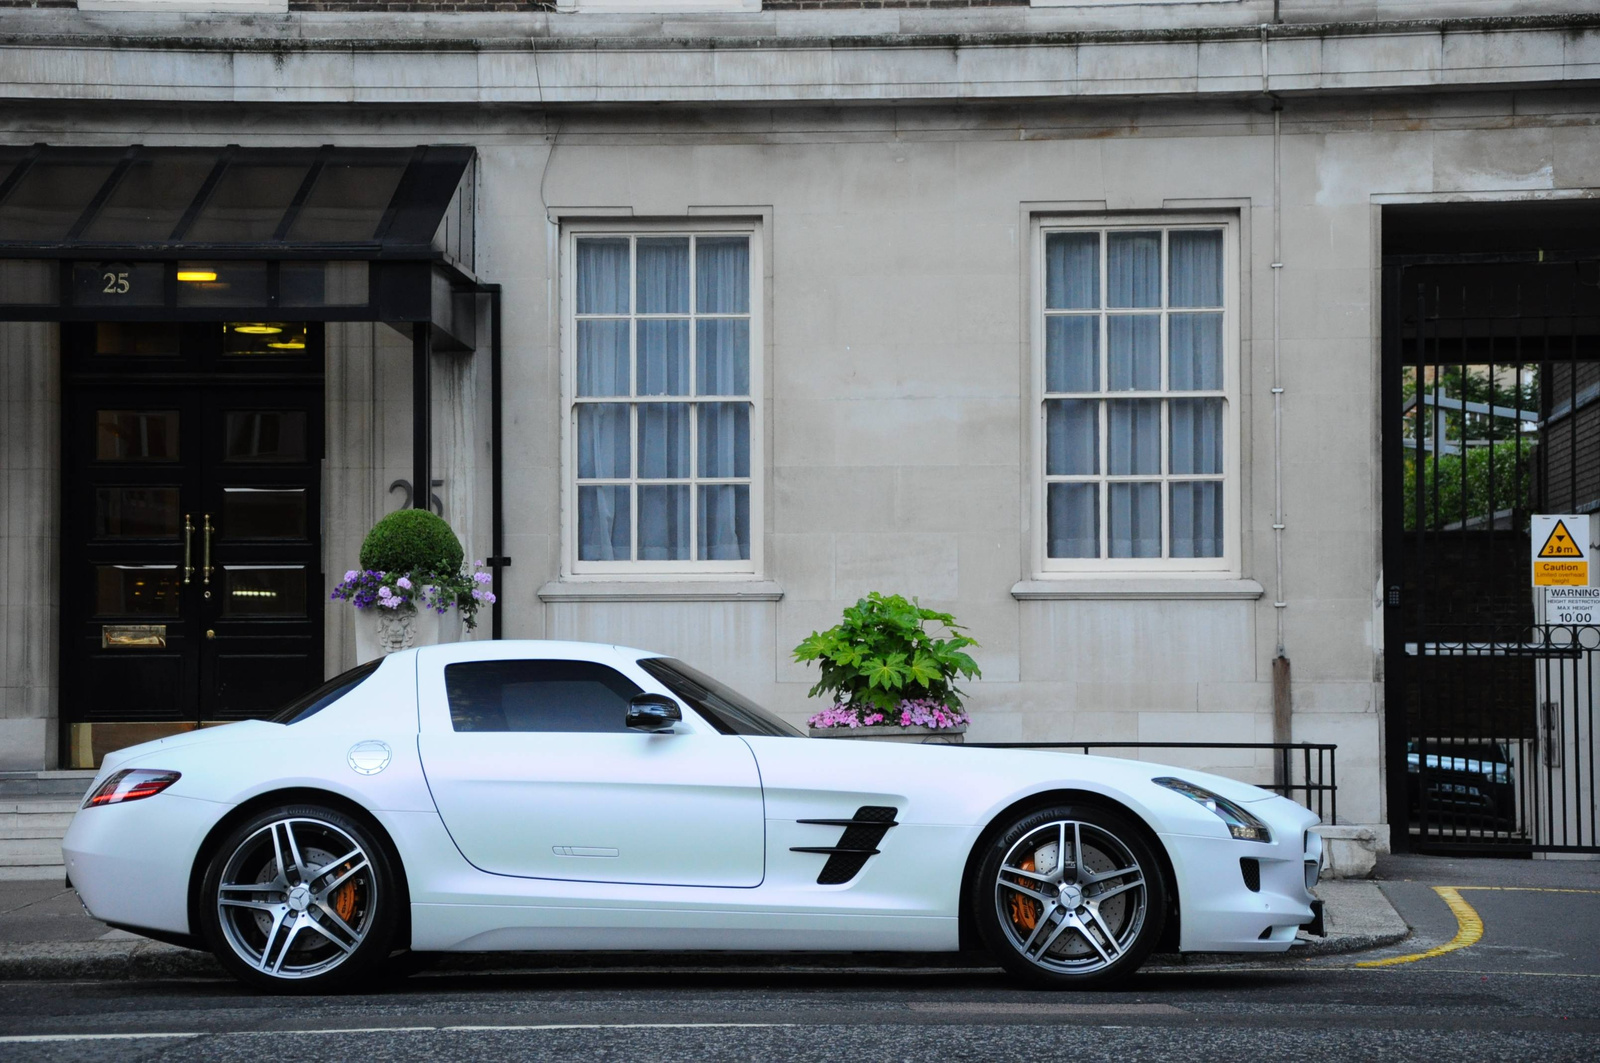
(188, 548)
(210, 634)
(205, 564)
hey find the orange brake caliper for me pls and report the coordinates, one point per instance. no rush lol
(344, 900)
(1024, 911)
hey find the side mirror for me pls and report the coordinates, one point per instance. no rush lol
(653, 712)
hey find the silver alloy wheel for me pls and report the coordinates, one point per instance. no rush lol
(1071, 897)
(297, 898)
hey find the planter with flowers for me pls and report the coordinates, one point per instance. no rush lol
(412, 588)
(889, 677)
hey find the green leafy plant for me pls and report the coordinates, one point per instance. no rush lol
(1463, 489)
(881, 655)
(415, 541)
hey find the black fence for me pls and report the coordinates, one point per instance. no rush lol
(1303, 768)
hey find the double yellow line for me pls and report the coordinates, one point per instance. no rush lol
(1469, 924)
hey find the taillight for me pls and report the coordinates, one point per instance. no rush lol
(131, 784)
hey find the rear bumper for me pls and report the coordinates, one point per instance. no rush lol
(131, 862)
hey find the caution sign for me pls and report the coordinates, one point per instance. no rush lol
(1560, 550)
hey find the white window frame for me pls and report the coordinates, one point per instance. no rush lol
(665, 570)
(1047, 567)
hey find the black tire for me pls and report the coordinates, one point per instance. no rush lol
(1086, 929)
(301, 899)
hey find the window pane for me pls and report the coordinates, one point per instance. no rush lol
(1072, 353)
(136, 590)
(267, 590)
(1072, 271)
(1072, 437)
(323, 283)
(663, 357)
(136, 435)
(51, 197)
(1133, 269)
(664, 275)
(602, 277)
(222, 284)
(1135, 519)
(724, 439)
(136, 512)
(151, 197)
(664, 523)
(604, 523)
(1074, 520)
(724, 522)
(1134, 352)
(566, 696)
(138, 339)
(1196, 435)
(663, 440)
(266, 435)
(722, 285)
(602, 357)
(247, 204)
(1134, 443)
(603, 440)
(1194, 344)
(263, 513)
(1196, 262)
(722, 364)
(1197, 519)
(347, 202)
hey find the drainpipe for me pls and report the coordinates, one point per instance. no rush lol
(1282, 702)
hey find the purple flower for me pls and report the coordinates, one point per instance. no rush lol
(403, 582)
(349, 576)
(482, 577)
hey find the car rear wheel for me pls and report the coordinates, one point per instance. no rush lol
(300, 899)
(1070, 897)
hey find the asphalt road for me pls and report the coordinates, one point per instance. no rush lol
(1528, 988)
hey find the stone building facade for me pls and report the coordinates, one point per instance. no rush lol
(1066, 319)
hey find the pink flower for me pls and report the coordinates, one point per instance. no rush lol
(403, 583)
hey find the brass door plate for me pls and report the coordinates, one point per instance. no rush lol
(133, 636)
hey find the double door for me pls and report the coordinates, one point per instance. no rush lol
(192, 583)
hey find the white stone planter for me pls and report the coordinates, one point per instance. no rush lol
(381, 631)
(944, 736)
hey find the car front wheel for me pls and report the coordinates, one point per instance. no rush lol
(1070, 897)
(300, 899)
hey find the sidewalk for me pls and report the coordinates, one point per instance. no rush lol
(46, 934)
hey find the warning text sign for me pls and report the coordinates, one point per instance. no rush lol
(1560, 550)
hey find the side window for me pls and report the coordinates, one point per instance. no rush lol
(537, 696)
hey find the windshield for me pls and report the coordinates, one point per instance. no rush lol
(727, 710)
(315, 700)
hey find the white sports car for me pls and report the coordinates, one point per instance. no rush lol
(546, 795)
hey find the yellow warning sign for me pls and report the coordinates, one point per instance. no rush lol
(1560, 543)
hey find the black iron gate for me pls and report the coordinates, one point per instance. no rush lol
(1491, 412)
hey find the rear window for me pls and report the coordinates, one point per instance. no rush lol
(314, 701)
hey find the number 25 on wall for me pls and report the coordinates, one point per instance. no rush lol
(116, 283)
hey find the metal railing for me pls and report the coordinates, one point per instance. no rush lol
(1306, 768)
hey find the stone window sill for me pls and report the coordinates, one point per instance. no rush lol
(709, 590)
(1134, 589)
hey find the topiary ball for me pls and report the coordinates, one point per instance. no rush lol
(412, 540)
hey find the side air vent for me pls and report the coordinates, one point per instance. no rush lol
(856, 845)
(1251, 868)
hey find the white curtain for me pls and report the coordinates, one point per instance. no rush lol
(603, 276)
(722, 355)
(1194, 346)
(663, 275)
(1074, 515)
(663, 441)
(722, 283)
(1072, 353)
(1072, 437)
(664, 522)
(1133, 444)
(1196, 434)
(1072, 271)
(722, 367)
(724, 522)
(1133, 269)
(603, 356)
(663, 355)
(1134, 349)
(1197, 519)
(604, 523)
(1135, 520)
(1196, 264)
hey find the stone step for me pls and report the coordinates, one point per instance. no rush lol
(61, 784)
(30, 852)
(31, 829)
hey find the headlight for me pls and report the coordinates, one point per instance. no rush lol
(1241, 824)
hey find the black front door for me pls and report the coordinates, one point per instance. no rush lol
(191, 545)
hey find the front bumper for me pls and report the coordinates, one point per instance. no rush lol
(1219, 911)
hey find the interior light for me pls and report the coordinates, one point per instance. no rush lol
(258, 329)
(196, 276)
(289, 345)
